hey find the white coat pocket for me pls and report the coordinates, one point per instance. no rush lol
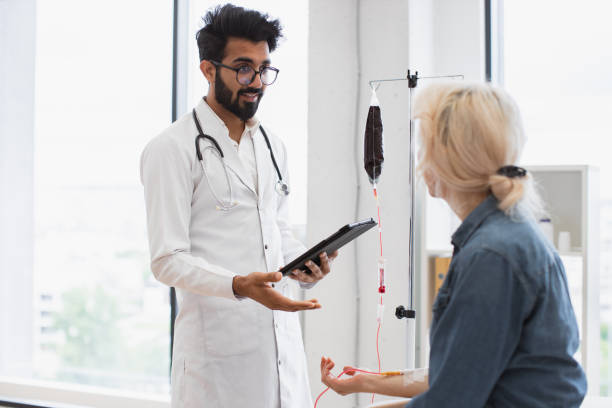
(232, 328)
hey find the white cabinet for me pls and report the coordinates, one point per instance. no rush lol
(571, 198)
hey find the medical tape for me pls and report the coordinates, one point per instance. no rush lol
(415, 376)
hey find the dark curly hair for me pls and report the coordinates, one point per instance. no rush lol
(232, 21)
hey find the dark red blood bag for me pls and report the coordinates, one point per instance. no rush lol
(373, 156)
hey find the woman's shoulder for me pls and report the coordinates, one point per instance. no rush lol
(519, 242)
(513, 236)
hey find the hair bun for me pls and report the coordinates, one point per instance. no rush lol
(507, 189)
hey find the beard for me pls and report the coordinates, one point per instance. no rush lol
(224, 96)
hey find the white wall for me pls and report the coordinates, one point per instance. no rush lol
(332, 88)
(17, 50)
(338, 81)
(352, 42)
(459, 38)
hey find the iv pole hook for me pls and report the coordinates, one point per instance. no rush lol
(412, 79)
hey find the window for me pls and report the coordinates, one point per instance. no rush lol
(103, 88)
(556, 63)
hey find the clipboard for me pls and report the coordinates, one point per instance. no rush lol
(335, 241)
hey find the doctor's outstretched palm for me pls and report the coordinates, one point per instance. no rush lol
(257, 286)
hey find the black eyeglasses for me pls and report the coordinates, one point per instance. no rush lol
(245, 75)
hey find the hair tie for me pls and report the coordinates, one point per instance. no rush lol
(512, 171)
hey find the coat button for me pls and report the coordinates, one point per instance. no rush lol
(266, 246)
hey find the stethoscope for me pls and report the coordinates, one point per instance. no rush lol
(281, 187)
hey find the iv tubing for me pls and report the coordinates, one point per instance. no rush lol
(379, 224)
(381, 263)
(377, 349)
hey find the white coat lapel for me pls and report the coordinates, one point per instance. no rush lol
(213, 126)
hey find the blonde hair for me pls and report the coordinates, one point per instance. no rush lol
(468, 131)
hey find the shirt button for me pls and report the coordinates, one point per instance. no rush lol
(276, 325)
(279, 362)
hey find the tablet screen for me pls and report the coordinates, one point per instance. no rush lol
(335, 241)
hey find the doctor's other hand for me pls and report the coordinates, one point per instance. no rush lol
(344, 386)
(316, 272)
(257, 286)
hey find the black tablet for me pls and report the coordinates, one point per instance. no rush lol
(337, 240)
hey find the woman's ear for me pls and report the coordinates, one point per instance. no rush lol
(209, 71)
(441, 188)
(436, 187)
(428, 177)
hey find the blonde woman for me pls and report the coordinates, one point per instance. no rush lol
(503, 332)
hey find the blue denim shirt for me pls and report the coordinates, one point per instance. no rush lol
(503, 332)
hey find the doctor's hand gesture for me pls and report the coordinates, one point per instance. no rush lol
(316, 273)
(258, 286)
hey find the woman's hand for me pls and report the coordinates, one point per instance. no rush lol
(356, 383)
(393, 385)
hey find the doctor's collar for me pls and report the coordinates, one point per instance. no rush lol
(251, 125)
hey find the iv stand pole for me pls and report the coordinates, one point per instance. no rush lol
(401, 311)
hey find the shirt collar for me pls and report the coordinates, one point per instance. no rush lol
(471, 223)
(250, 126)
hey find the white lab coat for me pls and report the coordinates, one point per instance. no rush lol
(227, 352)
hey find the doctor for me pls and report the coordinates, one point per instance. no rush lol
(215, 186)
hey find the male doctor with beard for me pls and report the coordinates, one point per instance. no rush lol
(217, 214)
